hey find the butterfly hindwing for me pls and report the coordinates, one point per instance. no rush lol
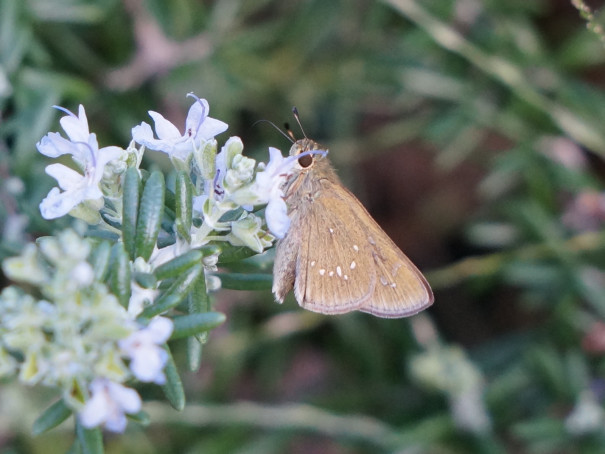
(401, 290)
(284, 267)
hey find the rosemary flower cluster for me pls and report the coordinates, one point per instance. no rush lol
(91, 317)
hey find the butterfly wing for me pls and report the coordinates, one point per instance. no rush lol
(401, 290)
(311, 259)
(338, 259)
(284, 266)
(334, 269)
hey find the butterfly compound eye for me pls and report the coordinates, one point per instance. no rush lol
(306, 161)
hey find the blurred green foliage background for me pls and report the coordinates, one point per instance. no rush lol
(473, 132)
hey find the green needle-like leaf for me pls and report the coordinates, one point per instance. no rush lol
(120, 275)
(178, 265)
(150, 215)
(189, 325)
(198, 302)
(145, 280)
(173, 388)
(141, 417)
(234, 254)
(194, 353)
(100, 260)
(52, 417)
(183, 205)
(174, 294)
(130, 209)
(91, 440)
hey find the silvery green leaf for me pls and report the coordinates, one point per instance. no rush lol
(189, 325)
(173, 388)
(150, 215)
(183, 205)
(91, 440)
(174, 294)
(52, 417)
(100, 260)
(130, 209)
(178, 265)
(120, 274)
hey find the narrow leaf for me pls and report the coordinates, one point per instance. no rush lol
(194, 353)
(189, 325)
(100, 260)
(51, 418)
(234, 254)
(170, 198)
(145, 280)
(162, 304)
(119, 279)
(150, 215)
(178, 265)
(113, 221)
(91, 440)
(141, 417)
(173, 388)
(174, 294)
(198, 302)
(130, 209)
(183, 205)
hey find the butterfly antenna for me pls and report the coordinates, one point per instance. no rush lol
(289, 131)
(297, 118)
(287, 136)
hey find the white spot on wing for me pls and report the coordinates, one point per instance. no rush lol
(345, 277)
(396, 268)
(353, 265)
(312, 263)
(331, 273)
(356, 248)
(338, 271)
(331, 230)
(322, 272)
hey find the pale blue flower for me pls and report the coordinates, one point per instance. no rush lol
(143, 347)
(277, 218)
(76, 128)
(199, 127)
(75, 187)
(108, 405)
(267, 186)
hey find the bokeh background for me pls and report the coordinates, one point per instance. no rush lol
(472, 130)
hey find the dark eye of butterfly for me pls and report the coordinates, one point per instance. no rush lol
(306, 161)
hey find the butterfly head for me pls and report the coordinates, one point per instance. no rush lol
(311, 152)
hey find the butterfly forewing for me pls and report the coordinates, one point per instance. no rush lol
(400, 288)
(334, 270)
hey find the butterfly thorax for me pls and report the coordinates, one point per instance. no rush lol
(305, 182)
